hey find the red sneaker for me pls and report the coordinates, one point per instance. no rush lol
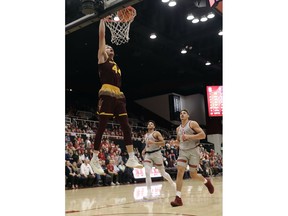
(209, 186)
(177, 202)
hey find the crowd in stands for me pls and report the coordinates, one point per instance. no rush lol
(79, 145)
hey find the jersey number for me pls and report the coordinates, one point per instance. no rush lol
(116, 69)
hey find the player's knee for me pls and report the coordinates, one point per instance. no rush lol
(193, 169)
(180, 169)
(193, 172)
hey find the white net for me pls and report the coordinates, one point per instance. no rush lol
(119, 24)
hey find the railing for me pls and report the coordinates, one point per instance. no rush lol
(67, 120)
(77, 121)
(84, 114)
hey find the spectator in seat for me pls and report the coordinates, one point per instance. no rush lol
(72, 177)
(76, 170)
(87, 175)
(105, 178)
(113, 173)
(68, 155)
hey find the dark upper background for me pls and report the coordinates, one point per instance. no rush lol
(149, 67)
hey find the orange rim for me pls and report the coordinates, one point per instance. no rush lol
(108, 18)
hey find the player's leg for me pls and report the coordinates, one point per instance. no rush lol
(194, 160)
(122, 117)
(167, 176)
(148, 166)
(103, 120)
(104, 112)
(158, 162)
(182, 162)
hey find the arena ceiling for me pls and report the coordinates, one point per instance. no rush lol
(150, 67)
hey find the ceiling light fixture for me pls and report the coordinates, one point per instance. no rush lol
(153, 36)
(195, 20)
(165, 1)
(208, 63)
(183, 51)
(88, 6)
(172, 3)
(211, 15)
(190, 17)
(203, 19)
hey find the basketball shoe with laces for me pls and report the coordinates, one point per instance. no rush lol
(94, 163)
(209, 186)
(133, 163)
(177, 202)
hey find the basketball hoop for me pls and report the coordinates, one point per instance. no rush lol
(119, 24)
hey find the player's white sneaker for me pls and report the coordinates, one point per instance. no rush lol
(133, 163)
(94, 163)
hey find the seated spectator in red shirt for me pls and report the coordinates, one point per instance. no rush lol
(101, 155)
(112, 172)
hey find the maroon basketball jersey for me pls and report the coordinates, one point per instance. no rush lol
(110, 73)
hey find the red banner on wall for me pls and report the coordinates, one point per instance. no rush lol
(215, 100)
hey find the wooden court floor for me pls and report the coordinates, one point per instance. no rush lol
(128, 200)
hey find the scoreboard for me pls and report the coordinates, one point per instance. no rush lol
(215, 100)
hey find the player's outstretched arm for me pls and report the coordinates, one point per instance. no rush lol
(102, 55)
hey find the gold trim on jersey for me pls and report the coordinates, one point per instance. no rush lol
(110, 114)
(123, 114)
(111, 90)
(104, 113)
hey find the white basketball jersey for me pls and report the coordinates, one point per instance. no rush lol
(150, 147)
(188, 144)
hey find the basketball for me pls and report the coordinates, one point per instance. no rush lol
(126, 14)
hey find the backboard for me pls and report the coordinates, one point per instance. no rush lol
(96, 10)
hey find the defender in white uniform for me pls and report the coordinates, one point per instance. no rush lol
(189, 134)
(153, 156)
